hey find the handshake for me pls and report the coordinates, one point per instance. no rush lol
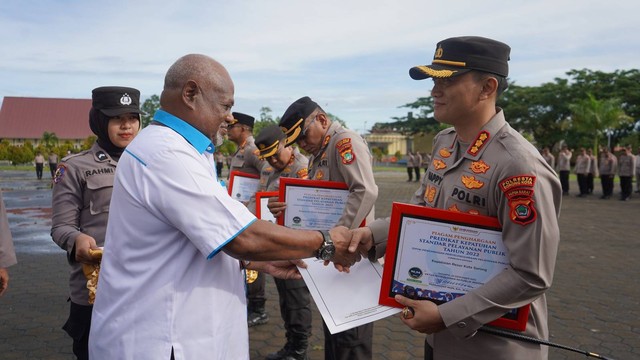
(350, 246)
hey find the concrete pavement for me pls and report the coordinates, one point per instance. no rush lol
(594, 301)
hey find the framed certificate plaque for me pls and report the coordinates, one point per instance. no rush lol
(262, 211)
(439, 255)
(242, 186)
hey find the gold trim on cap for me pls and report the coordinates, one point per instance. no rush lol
(287, 131)
(269, 150)
(293, 132)
(436, 73)
(449, 62)
(292, 138)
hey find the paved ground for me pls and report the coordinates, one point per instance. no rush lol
(594, 302)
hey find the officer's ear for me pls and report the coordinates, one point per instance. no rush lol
(324, 120)
(489, 87)
(190, 91)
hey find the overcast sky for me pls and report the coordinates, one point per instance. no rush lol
(352, 57)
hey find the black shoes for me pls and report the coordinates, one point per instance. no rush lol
(258, 317)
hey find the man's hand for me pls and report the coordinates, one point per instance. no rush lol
(276, 207)
(361, 240)
(283, 269)
(85, 242)
(426, 316)
(343, 258)
(4, 280)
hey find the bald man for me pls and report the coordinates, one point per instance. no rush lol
(172, 281)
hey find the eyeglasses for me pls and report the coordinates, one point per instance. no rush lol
(303, 133)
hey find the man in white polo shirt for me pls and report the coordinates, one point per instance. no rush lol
(171, 284)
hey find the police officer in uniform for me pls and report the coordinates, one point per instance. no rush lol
(246, 160)
(337, 154)
(82, 193)
(295, 299)
(7, 252)
(482, 166)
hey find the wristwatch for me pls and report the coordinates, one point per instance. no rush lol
(327, 249)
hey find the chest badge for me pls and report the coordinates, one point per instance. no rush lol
(444, 152)
(439, 164)
(430, 194)
(470, 182)
(319, 175)
(479, 167)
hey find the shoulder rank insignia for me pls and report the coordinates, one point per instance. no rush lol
(478, 143)
(326, 140)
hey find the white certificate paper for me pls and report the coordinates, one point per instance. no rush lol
(346, 300)
(265, 214)
(314, 208)
(243, 187)
(441, 261)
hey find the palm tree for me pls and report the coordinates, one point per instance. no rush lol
(598, 116)
(49, 139)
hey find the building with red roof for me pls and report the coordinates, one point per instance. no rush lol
(28, 118)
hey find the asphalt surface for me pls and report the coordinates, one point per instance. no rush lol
(593, 303)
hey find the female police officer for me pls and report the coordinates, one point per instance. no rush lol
(82, 193)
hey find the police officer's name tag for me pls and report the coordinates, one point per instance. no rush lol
(439, 255)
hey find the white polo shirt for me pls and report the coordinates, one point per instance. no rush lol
(164, 281)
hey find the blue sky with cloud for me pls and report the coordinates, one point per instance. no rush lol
(352, 57)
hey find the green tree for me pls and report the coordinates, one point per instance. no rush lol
(4, 149)
(21, 154)
(598, 117)
(337, 119)
(149, 108)
(420, 120)
(265, 120)
(49, 139)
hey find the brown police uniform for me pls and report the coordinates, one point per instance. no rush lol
(245, 159)
(7, 252)
(82, 186)
(295, 299)
(499, 174)
(81, 195)
(345, 157)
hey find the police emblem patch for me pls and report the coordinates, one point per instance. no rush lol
(125, 99)
(60, 171)
(519, 190)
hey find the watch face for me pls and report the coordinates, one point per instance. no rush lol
(327, 252)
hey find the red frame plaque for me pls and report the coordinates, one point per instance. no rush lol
(514, 320)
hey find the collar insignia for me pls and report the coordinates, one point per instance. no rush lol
(478, 143)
